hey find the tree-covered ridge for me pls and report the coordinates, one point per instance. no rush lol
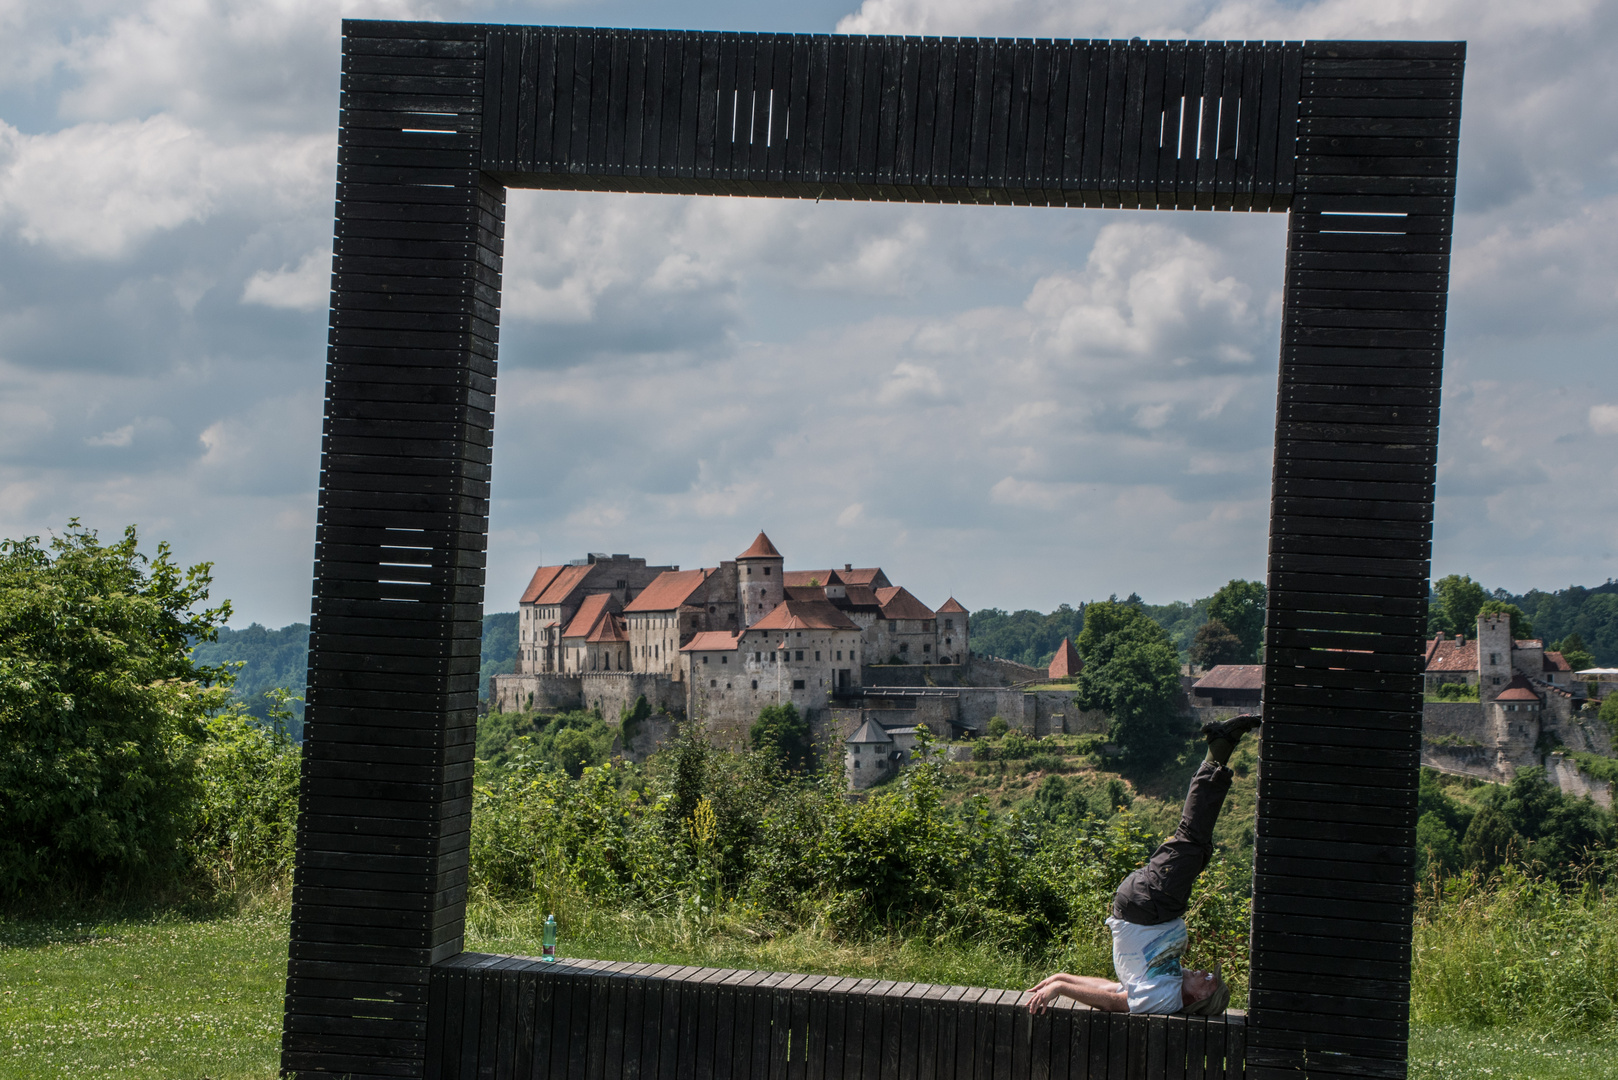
(270, 660)
(1030, 637)
(1592, 614)
(274, 659)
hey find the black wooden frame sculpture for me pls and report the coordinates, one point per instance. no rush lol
(1356, 140)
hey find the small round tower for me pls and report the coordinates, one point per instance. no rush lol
(759, 583)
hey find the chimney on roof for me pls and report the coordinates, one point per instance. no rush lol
(848, 566)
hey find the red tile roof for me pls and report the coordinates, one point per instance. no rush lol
(1517, 690)
(860, 596)
(590, 612)
(536, 584)
(1232, 677)
(608, 630)
(805, 592)
(804, 615)
(897, 603)
(761, 549)
(668, 590)
(1529, 643)
(712, 641)
(1554, 661)
(952, 606)
(1448, 654)
(803, 578)
(1066, 663)
(563, 584)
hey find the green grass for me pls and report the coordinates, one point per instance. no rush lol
(164, 996)
(187, 998)
(1449, 1053)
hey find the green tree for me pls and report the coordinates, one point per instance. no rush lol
(1490, 841)
(781, 731)
(1216, 644)
(1132, 672)
(1520, 626)
(1240, 606)
(1437, 850)
(1609, 715)
(101, 708)
(1459, 598)
(1573, 651)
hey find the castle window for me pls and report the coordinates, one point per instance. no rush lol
(817, 654)
(766, 571)
(755, 684)
(949, 624)
(797, 684)
(724, 659)
(946, 641)
(839, 654)
(856, 764)
(704, 659)
(856, 748)
(800, 654)
(927, 648)
(713, 682)
(904, 648)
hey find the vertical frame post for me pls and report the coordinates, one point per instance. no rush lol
(383, 822)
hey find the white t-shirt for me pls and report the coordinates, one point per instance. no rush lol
(1147, 959)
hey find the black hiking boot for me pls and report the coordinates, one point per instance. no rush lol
(1232, 729)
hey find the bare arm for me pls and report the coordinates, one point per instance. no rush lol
(1097, 993)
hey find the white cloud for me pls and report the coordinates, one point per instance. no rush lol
(930, 387)
(96, 189)
(305, 287)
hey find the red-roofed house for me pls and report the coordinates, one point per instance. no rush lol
(802, 652)
(678, 604)
(594, 638)
(1229, 686)
(1493, 658)
(553, 596)
(1066, 663)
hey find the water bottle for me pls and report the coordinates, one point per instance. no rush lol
(550, 939)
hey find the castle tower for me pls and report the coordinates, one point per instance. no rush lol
(759, 583)
(1494, 655)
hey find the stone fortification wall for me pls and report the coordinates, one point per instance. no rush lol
(1457, 719)
(993, 670)
(1478, 762)
(615, 692)
(548, 693)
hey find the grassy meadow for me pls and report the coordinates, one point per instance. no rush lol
(196, 993)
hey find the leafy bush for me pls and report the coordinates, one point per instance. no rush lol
(101, 709)
(247, 809)
(779, 730)
(568, 741)
(998, 726)
(1454, 692)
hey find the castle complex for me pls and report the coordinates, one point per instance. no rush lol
(718, 644)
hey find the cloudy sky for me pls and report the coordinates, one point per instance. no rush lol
(1022, 407)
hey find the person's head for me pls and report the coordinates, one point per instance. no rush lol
(1203, 993)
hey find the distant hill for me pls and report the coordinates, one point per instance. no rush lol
(1591, 613)
(1030, 637)
(279, 658)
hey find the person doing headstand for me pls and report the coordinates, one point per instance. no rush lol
(1148, 910)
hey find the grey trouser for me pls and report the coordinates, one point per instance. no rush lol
(1161, 890)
